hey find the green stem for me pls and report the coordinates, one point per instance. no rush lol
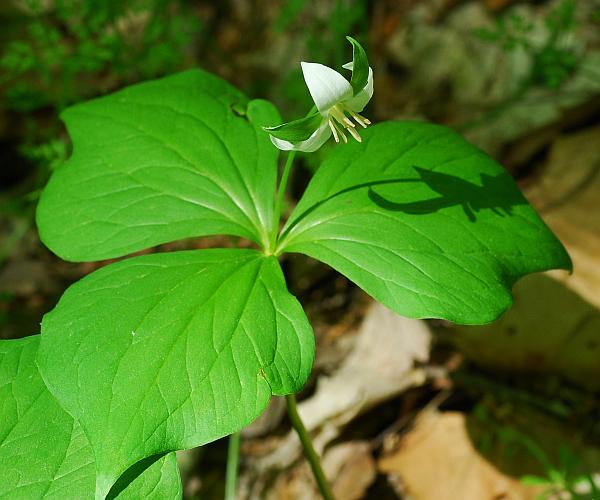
(280, 197)
(309, 450)
(233, 457)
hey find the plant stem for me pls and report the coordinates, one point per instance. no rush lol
(280, 197)
(309, 450)
(233, 457)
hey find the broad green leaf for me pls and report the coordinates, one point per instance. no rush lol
(297, 130)
(152, 478)
(171, 351)
(44, 452)
(160, 161)
(424, 222)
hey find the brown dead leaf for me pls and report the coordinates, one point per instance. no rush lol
(437, 461)
(568, 197)
(349, 466)
(549, 329)
(352, 466)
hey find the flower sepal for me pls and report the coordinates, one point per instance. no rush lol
(296, 130)
(359, 66)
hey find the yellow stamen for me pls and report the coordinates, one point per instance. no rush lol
(354, 134)
(333, 130)
(338, 113)
(338, 121)
(361, 120)
(340, 131)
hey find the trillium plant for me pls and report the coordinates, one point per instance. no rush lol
(167, 351)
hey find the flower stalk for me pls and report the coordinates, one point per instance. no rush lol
(233, 457)
(280, 198)
(309, 450)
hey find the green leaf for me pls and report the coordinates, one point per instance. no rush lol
(160, 161)
(423, 221)
(360, 66)
(171, 351)
(154, 477)
(297, 130)
(44, 452)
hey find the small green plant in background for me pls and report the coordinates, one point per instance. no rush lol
(562, 477)
(553, 61)
(61, 52)
(559, 476)
(65, 48)
(169, 351)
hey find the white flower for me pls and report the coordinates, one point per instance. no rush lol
(338, 103)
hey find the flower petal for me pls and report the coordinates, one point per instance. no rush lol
(326, 86)
(314, 142)
(360, 100)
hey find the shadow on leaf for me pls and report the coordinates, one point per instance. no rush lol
(131, 474)
(494, 194)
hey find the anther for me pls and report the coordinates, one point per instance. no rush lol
(354, 134)
(338, 113)
(333, 130)
(338, 121)
(341, 132)
(361, 120)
